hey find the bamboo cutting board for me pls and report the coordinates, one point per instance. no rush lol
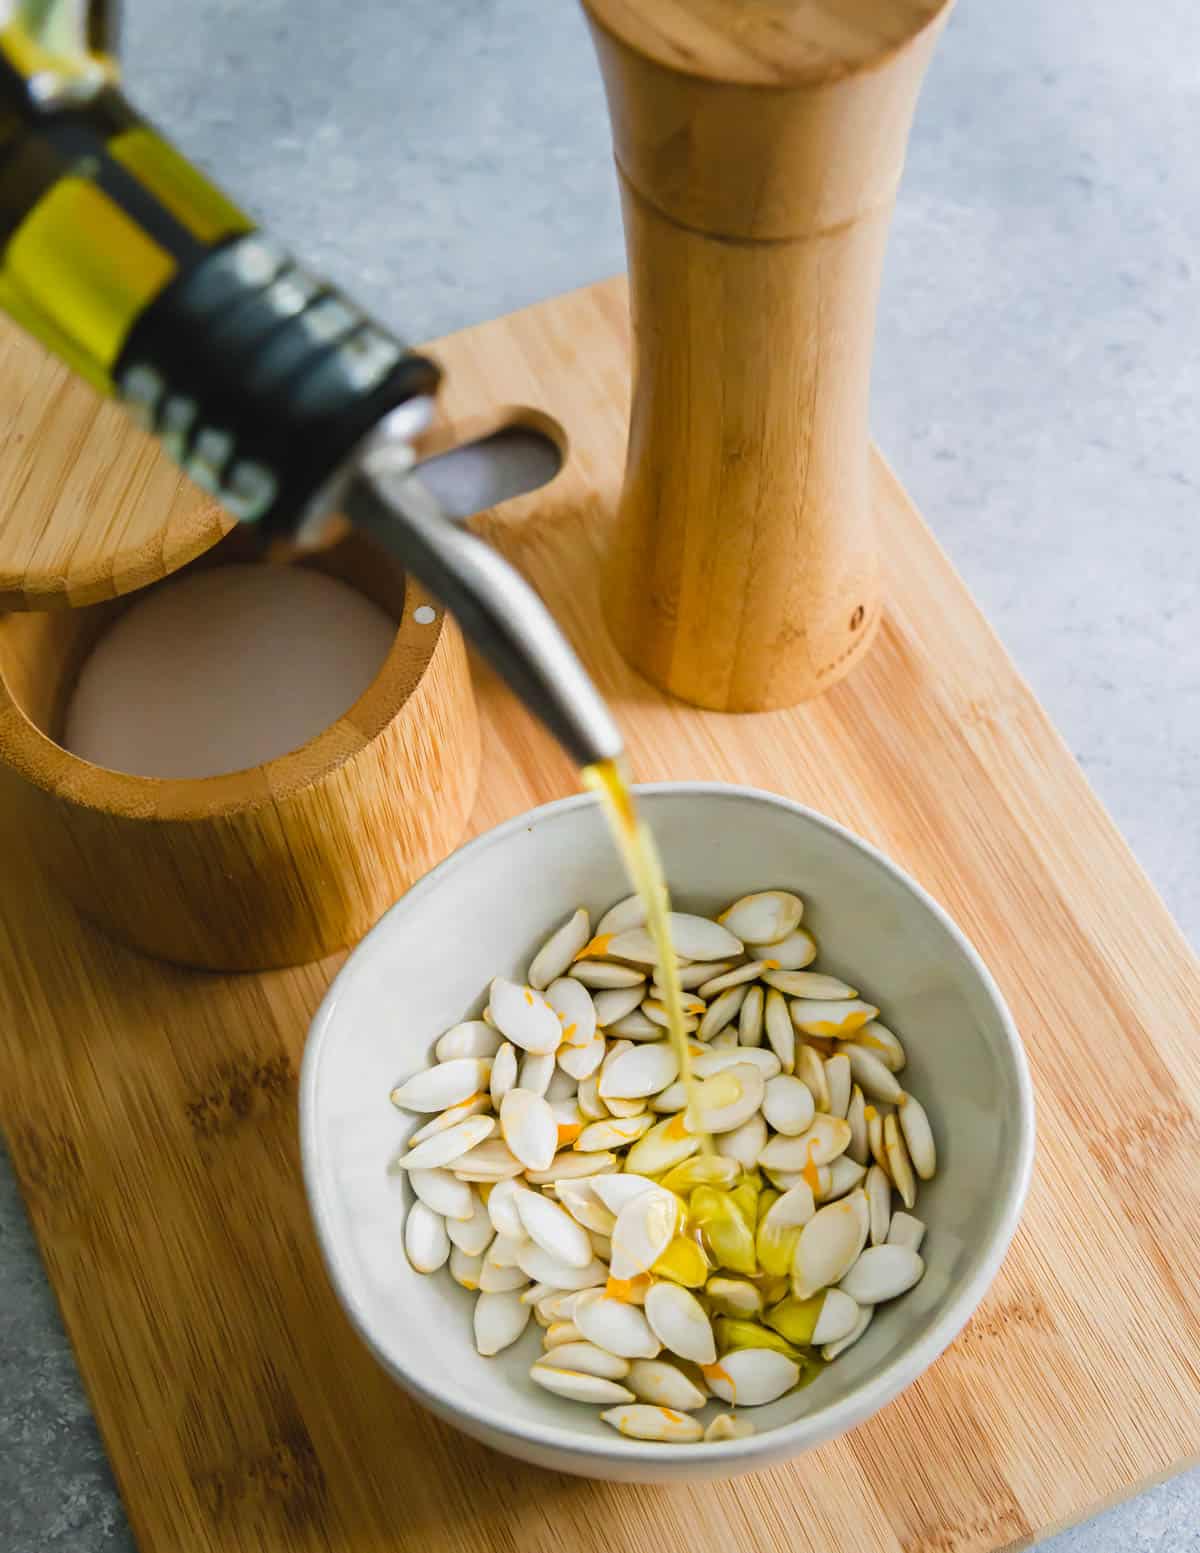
(151, 1112)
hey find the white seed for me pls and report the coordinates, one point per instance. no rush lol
(475, 1106)
(637, 1421)
(553, 1228)
(615, 1191)
(562, 1086)
(586, 1359)
(582, 1061)
(614, 1132)
(558, 1333)
(494, 1279)
(535, 1072)
(445, 1084)
(728, 1099)
(819, 1144)
(569, 1166)
(750, 1018)
(631, 912)
(811, 1069)
(581, 1202)
(746, 1143)
(604, 974)
(667, 1144)
(612, 1324)
(502, 1210)
(808, 984)
(589, 1099)
(640, 1071)
(426, 1243)
(751, 971)
(533, 1294)
(831, 1351)
(763, 918)
(728, 1426)
(844, 1175)
(572, 1002)
(881, 1043)
(829, 1244)
(837, 1017)
(559, 1306)
(616, 1003)
(856, 1114)
(785, 1180)
(673, 1098)
(505, 1251)
(529, 1128)
(465, 1269)
(655, 1007)
(918, 1135)
(795, 951)
(635, 1027)
(875, 1081)
(875, 1138)
(725, 1041)
(881, 1273)
(499, 1320)
(696, 974)
(439, 1190)
(721, 1011)
(788, 1105)
(541, 1266)
(445, 1147)
(490, 1161)
(504, 1073)
(579, 1388)
(524, 1017)
(906, 1231)
(899, 1165)
(625, 1108)
(470, 1039)
(634, 943)
(750, 1377)
(734, 1297)
(472, 1235)
(554, 957)
(709, 1062)
(879, 1200)
(698, 938)
(664, 1384)
(644, 1229)
(780, 1033)
(776, 1236)
(838, 1318)
(838, 1082)
(678, 1320)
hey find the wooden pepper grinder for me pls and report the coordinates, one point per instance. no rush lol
(759, 144)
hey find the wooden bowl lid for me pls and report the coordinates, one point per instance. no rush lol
(90, 507)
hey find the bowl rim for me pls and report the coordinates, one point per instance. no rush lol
(728, 1456)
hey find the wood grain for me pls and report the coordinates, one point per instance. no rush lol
(758, 149)
(151, 1111)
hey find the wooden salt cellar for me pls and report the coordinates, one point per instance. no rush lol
(758, 144)
(275, 865)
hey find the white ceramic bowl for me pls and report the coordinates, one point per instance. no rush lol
(484, 912)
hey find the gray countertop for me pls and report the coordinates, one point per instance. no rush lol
(1035, 386)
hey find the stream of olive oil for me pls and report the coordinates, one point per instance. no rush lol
(644, 867)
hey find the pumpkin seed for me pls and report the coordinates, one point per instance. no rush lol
(658, 1381)
(504, 1073)
(829, 1244)
(746, 1143)
(750, 1377)
(639, 1071)
(502, 1209)
(605, 975)
(695, 975)
(668, 1143)
(764, 917)
(582, 1061)
(569, 1166)
(702, 1170)
(780, 1227)
(614, 1132)
(780, 1034)
(442, 1192)
(838, 1317)
(446, 1147)
(844, 1175)
(821, 1143)
(734, 1297)
(725, 1231)
(728, 1426)
(589, 1099)
(473, 1038)
(726, 1040)
(489, 1161)
(645, 1227)
(583, 1359)
(541, 1266)
(640, 1421)
(879, 1200)
(721, 1011)
(556, 954)
(505, 1251)
(445, 1084)
(751, 971)
(875, 1081)
(832, 1351)
(811, 1070)
(576, 1013)
(875, 1138)
(795, 951)
(632, 1290)
(558, 1333)
(559, 1306)
(837, 1017)
(475, 1106)
(655, 1008)
(859, 1148)
(906, 1231)
(788, 1105)
(838, 1082)
(728, 1099)
(682, 1262)
(627, 913)
(535, 1073)
(709, 1062)
(495, 1279)
(524, 1017)
(918, 1135)
(734, 1334)
(562, 1085)
(618, 1327)
(678, 1320)
(808, 984)
(672, 1099)
(465, 1269)
(554, 1230)
(582, 1203)
(636, 1027)
(881, 1273)
(426, 1242)
(615, 1191)
(472, 1235)
(499, 1320)
(881, 1043)
(899, 1165)
(750, 1018)
(615, 1003)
